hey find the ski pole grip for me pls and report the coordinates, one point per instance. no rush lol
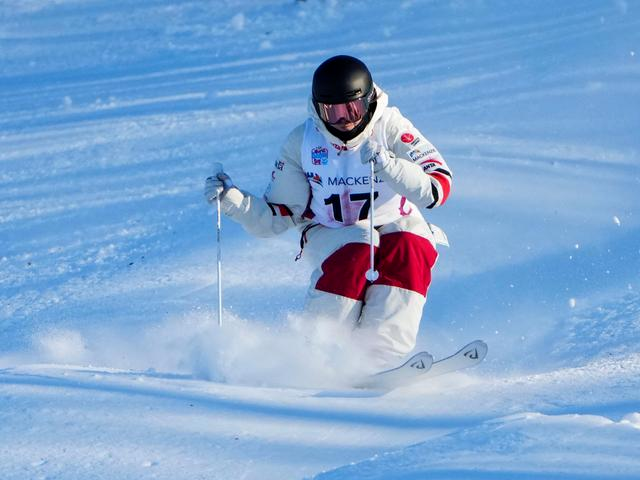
(217, 169)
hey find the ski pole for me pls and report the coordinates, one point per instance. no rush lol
(372, 274)
(217, 169)
(218, 237)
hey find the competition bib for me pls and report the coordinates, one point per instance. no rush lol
(340, 184)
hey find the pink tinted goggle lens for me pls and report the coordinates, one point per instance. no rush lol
(349, 112)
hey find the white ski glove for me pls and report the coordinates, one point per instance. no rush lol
(372, 151)
(217, 185)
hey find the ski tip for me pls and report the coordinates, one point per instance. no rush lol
(418, 361)
(475, 350)
(421, 361)
(416, 365)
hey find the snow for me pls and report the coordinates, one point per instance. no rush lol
(513, 447)
(112, 364)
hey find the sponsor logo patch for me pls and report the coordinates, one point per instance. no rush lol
(407, 137)
(416, 155)
(320, 156)
(429, 165)
(314, 178)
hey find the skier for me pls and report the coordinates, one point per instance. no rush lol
(320, 184)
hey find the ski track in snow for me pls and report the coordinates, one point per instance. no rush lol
(111, 364)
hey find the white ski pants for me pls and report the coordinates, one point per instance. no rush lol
(385, 314)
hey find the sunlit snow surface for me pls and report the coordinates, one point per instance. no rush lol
(111, 361)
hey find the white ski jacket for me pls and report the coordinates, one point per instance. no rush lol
(318, 178)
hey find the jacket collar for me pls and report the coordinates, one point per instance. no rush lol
(383, 101)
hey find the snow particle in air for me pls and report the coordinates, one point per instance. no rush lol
(238, 21)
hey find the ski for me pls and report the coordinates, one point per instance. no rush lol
(421, 366)
(417, 365)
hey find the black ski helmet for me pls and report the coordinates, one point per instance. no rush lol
(341, 79)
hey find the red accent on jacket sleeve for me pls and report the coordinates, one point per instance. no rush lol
(282, 210)
(444, 182)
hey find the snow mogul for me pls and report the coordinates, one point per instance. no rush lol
(320, 185)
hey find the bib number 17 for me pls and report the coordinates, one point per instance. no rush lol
(336, 204)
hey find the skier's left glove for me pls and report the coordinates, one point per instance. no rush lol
(372, 151)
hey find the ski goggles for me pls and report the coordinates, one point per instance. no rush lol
(350, 112)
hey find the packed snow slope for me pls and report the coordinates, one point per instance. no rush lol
(112, 364)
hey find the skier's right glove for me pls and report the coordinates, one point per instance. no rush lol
(217, 185)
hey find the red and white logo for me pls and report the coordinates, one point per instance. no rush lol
(340, 148)
(407, 137)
